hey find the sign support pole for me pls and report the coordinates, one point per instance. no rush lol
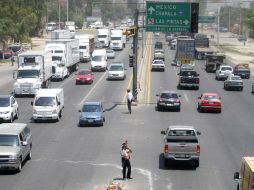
(135, 52)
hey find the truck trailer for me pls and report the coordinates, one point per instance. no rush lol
(86, 46)
(65, 56)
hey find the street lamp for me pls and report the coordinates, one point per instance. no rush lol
(218, 26)
(240, 28)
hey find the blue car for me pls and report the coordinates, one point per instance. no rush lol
(92, 113)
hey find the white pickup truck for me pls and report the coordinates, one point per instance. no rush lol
(181, 144)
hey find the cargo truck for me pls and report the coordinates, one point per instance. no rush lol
(202, 48)
(70, 25)
(104, 36)
(65, 56)
(118, 40)
(245, 179)
(34, 72)
(48, 104)
(86, 46)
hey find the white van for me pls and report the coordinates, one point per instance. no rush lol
(48, 104)
(99, 60)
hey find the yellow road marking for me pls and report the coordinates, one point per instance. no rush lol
(149, 71)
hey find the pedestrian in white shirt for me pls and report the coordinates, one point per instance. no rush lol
(129, 99)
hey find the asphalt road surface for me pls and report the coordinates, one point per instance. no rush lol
(68, 157)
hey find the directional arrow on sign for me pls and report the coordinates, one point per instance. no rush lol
(186, 22)
(151, 9)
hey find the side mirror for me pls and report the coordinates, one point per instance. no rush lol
(198, 133)
(157, 95)
(197, 75)
(199, 97)
(236, 176)
(24, 143)
(178, 73)
(32, 103)
(179, 95)
(163, 132)
(58, 103)
(103, 110)
(79, 110)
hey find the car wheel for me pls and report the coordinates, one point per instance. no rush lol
(196, 163)
(166, 162)
(200, 109)
(219, 111)
(29, 156)
(60, 113)
(158, 108)
(225, 88)
(241, 89)
(17, 114)
(197, 88)
(179, 109)
(11, 119)
(19, 165)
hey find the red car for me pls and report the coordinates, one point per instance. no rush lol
(84, 76)
(209, 102)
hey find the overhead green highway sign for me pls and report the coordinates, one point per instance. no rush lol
(170, 17)
(206, 19)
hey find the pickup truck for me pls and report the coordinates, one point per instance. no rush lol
(181, 144)
(188, 78)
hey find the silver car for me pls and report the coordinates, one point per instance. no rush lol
(15, 145)
(116, 71)
(233, 82)
(110, 54)
(223, 72)
(158, 64)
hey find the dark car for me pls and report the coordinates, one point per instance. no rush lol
(168, 100)
(84, 76)
(158, 45)
(5, 54)
(92, 113)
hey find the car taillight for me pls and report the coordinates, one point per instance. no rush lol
(166, 148)
(198, 148)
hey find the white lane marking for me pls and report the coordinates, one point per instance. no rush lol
(92, 89)
(186, 97)
(175, 70)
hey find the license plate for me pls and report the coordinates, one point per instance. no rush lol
(169, 104)
(182, 155)
(90, 120)
(210, 102)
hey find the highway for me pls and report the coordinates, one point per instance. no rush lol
(68, 157)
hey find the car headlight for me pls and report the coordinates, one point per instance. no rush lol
(5, 112)
(54, 111)
(13, 157)
(16, 85)
(98, 118)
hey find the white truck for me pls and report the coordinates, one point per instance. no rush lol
(86, 46)
(104, 36)
(65, 56)
(34, 72)
(99, 60)
(70, 25)
(48, 104)
(118, 40)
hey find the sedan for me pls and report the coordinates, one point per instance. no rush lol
(209, 102)
(158, 64)
(116, 71)
(92, 113)
(8, 108)
(84, 76)
(233, 82)
(110, 54)
(169, 100)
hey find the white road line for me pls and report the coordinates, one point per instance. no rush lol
(88, 94)
(186, 97)
(175, 70)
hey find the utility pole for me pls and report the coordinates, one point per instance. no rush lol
(59, 15)
(67, 7)
(218, 26)
(135, 53)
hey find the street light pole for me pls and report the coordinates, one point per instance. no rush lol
(67, 7)
(240, 29)
(59, 14)
(218, 26)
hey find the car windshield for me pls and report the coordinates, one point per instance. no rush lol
(188, 73)
(158, 62)
(210, 97)
(9, 140)
(169, 95)
(116, 68)
(45, 101)
(56, 58)
(84, 72)
(236, 78)
(102, 36)
(91, 108)
(181, 133)
(28, 74)
(4, 102)
(97, 58)
(82, 47)
(226, 69)
(116, 38)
